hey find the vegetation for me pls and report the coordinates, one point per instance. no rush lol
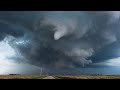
(16, 76)
(12, 76)
(89, 77)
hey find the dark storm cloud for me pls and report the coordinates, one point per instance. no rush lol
(110, 51)
(59, 39)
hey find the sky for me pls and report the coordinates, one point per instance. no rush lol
(60, 42)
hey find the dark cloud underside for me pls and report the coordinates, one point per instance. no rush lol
(61, 39)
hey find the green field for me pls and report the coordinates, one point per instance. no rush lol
(60, 77)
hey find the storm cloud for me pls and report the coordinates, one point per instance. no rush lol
(59, 39)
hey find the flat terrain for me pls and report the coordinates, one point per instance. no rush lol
(89, 77)
(22, 76)
(49, 77)
(59, 77)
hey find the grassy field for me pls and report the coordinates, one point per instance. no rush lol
(22, 76)
(89, 77)
(60, 77)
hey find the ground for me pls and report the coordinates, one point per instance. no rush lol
(59, 77)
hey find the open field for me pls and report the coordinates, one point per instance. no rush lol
(22, 76)
(59, 77)
(89, 77)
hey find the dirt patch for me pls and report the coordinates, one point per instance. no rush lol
(49, 77)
